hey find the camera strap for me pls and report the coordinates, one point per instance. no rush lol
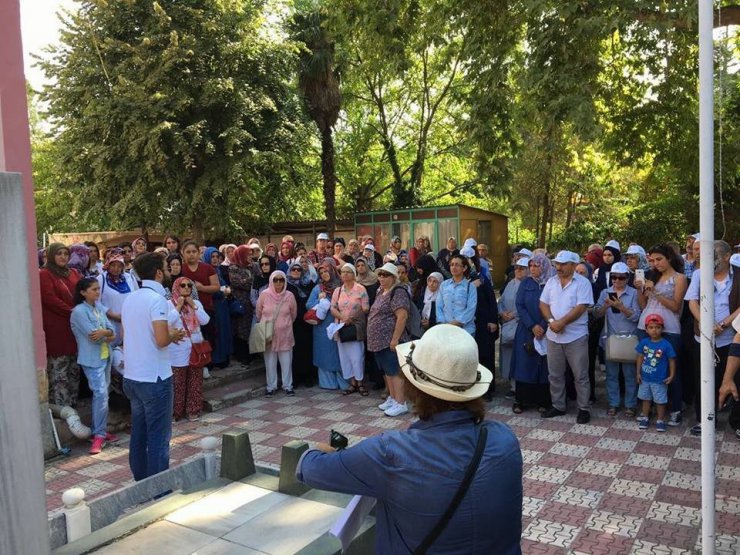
(462, 490)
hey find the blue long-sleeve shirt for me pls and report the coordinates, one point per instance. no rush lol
(414, 475)
(457, 302)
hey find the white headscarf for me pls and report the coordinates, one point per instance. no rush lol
(430, 296)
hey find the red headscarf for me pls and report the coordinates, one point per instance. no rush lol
(187, 313)
(243, 256)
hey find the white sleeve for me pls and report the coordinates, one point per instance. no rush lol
(159, 310)
(694, 290)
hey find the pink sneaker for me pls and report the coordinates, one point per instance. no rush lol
(97, 445)
(110, 438)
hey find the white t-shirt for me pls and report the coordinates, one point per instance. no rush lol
(145, 362)
(721, 304)
(179, 353)
(562, 300)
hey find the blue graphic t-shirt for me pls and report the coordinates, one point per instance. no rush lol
(656, 355)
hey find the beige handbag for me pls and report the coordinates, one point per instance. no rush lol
(621, 348)
(261, 334)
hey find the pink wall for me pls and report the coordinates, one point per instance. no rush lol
(15, 145)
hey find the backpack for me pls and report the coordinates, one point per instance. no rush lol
(413, 322)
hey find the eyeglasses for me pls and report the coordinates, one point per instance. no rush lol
(619, 277)
(186, 285)
(278, 279)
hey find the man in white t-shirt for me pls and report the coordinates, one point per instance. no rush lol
(564, 303)
(147, 378)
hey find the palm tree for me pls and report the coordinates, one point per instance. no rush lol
(318, 83)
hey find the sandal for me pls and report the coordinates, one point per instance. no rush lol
(630, 413)
(517, 408)
(364, 392)
(350, 390)
(612, 411)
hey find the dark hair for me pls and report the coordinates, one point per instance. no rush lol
(175, 238)
(147, 264)
(83, 285)
(124, 245)
(189, 242)
(426, 406)
(347, 258)
(340, 240)
(92, 245)
(462, 258)
(174, 256)
(674, 259)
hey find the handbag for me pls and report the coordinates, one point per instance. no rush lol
(621, 348)
(261, 334)
(311, 317)
(348, 333)
(200, 356)
(236, 307)
(462, 490)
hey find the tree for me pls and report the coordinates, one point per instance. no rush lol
(318, 82)
(171, 114)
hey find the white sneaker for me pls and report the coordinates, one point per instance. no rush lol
(388, 403)
(206, 373)
(397, 409)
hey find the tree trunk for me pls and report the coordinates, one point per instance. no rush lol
(546, 215)
(329, 178)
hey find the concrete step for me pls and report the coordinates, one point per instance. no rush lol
(234, 393)
(235, 372)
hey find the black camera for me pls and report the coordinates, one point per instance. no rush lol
(338, 441)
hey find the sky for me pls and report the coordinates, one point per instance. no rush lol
(39, 27)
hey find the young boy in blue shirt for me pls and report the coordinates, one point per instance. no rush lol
(656, 368)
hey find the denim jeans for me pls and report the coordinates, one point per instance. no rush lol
(675, 388)
(629, 371)
(151, 426)
(98, 378)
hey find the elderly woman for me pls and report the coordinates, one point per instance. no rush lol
(528, 366)
(58, 283)
(636, 259)
(240, 277)
(458, 299)
(325, 352)
(619, 305)
(386, 329)
(300, 285)
(115, 286)
(79, 258)
(509, 318)
(429, 302)
(415, 473)
(349, 306)
(188, 315)
(224, 343)
(367, 278)
(277, 304)
(423, 268)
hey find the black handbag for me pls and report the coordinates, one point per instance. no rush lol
(462, 490)
(348, 333)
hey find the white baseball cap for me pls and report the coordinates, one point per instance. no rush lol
(525, 252)
(735, 260)
(613, 244)
(523, 262)
(324, 236)
(635, 249)
(467, 251)
(567, 257)
(620, 268)
(369, 247)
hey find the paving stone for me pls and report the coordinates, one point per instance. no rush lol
(683, 481)
(727, 472)
(608, 455)
(727, 544)
(674, 514)
(731, 447)
(570, 450)
(588, 429)
(728, 504)
(531, 457)
(648, 461)
(622, 504)
(560, 461)
(661, 438)
(633, 488)
(545, 435)
(673, 535)
(578, 496)
(599, 468)
(642, 547)
(616, 444)
(531, 506)
(592, 542)
(552, 533)
(563, 513)
(524, 421)
(613, 523)
(547, 474)
(678, 496)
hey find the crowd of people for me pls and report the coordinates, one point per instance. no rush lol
(332, 315)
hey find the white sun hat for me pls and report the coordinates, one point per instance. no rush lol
(567, 257)
(444, 364)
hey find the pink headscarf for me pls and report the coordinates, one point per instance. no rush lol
(187, 313)
(274, 295)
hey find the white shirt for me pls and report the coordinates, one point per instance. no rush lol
(179, 353)
(114, 300)
(562, 300)
(145, 362)
(722, 291)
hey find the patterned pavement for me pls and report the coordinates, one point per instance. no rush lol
(604, 487)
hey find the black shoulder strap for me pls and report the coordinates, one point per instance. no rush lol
(462, 490)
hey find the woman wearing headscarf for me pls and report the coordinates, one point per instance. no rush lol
(58, 283)
(79, 258)
(277, 304)
(308, 268)
(224, 342)
(300, 285)
(227, 252)
(266, 265)
(367, 278)
(528, 366)
(139, 246)
(486, 319)
(428, 307)
(115, 286)
(325, 352)
(271, 250)
(636, 259)
(285, 257)
(186, 314)
(509, 318)
(423, 268)
(241, 278)
(42, 257)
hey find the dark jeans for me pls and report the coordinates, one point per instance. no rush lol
(675, 388)
(151, 426)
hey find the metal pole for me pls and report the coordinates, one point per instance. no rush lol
(706, 228)
(23, 526)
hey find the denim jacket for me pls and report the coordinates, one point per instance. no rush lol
(414, 474)
(457, 302)
(84, 322)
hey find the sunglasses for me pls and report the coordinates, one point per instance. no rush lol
(186, 285)
(619, 277)
(264, 263)
(383, 274)
(278, 279)
(295, 269)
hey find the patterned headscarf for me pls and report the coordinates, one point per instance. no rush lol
(242, 256)
(546, 266)
(79, 257)
(187, 313)
(328, 287)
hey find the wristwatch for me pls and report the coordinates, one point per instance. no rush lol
(550, 320)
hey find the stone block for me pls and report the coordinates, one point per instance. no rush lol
(289, 457)
(237, 461)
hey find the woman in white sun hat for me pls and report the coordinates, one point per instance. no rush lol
(452, 482)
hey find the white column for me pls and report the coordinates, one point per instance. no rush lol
(706, 228)
(23, 526)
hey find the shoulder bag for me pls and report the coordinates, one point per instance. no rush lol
(261, 334)
(462, 490)
(621, 348)
(349, 331)
(200, 353)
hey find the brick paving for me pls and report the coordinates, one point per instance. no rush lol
(604, 487)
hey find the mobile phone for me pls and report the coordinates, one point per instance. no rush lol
(640, 275)
(614, 297)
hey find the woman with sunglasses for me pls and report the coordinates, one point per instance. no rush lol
(300, 285)
(188, 315)
(325, 352)
(276, 304)
(620, 306)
